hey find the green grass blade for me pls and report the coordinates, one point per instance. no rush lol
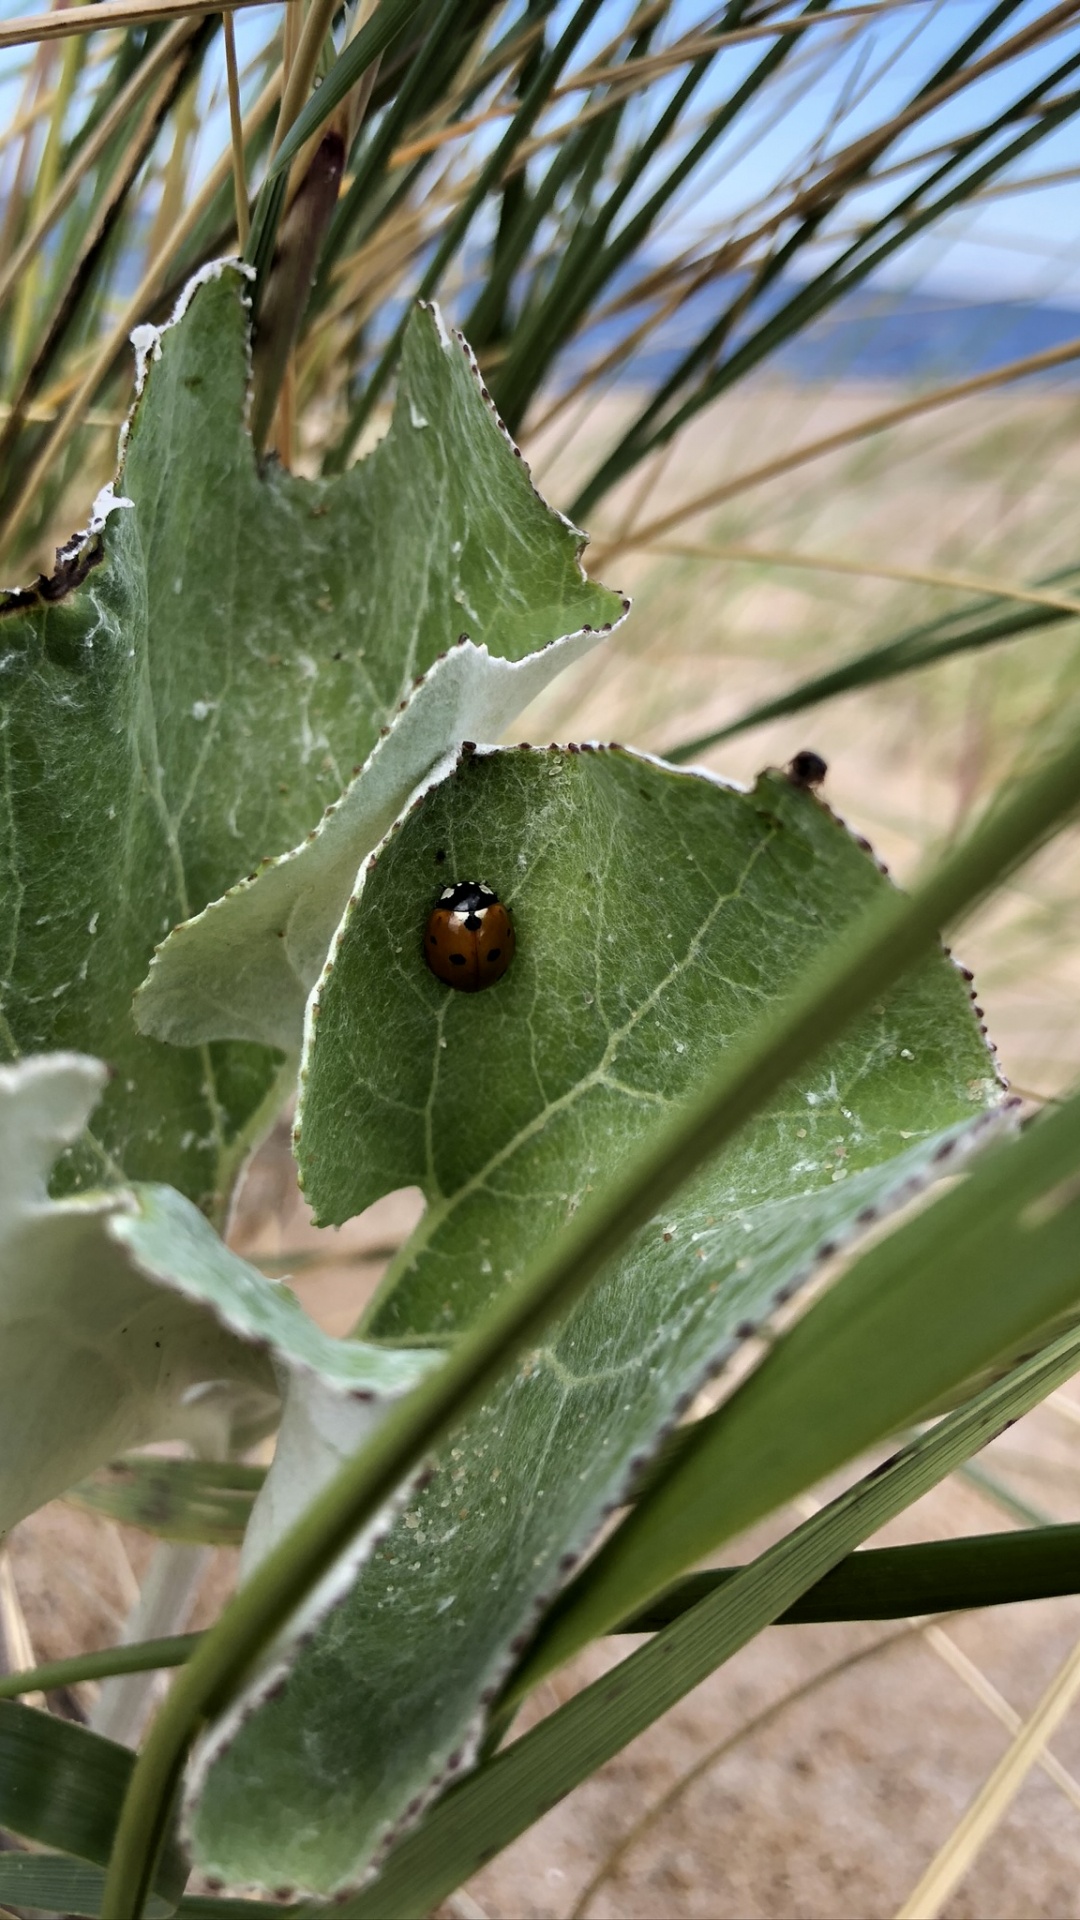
(960, 632)
(659, 421)
(531, 106)
(892, 1583)
(61, 1786)
(206, 1501)
(50, 1883)
(593, 260)
(581, 155)
(374, 37)
(425, 78)
(474, 1822)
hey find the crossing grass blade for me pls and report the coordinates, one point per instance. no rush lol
(200, 1500)
(892, 1583)
(146, 1656)
(51, 1883)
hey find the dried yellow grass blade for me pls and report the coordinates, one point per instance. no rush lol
(984, 1689)
(60, 199)
(236, 131)
(605, 550)
(967, 583)
(77, 407)
(972, 1832)
(16, 1633)
(34, 27)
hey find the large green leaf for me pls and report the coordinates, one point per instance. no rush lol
(124, 1318)
(658, 915)
(204, 673)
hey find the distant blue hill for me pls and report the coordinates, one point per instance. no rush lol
(885, 335)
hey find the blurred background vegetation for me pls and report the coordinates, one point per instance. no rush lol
(782, 302)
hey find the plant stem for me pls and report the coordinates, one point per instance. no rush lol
(144, 1657)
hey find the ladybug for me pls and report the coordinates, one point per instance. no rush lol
(469, 939)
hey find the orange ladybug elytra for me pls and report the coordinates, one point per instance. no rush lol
(469, 939)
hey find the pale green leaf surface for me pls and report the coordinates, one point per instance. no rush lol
(124, 1319)
(657, 915)
(222, 655)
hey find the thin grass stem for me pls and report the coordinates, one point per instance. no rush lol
(236, 129)
(607, 550)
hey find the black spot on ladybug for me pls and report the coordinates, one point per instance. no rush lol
(457, 959)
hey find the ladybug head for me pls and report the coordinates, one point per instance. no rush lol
(467, 897)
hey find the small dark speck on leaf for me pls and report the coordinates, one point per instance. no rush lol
(807, 770)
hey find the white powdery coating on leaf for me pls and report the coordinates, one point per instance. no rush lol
(146, 339)
(279, 1658)
(108, 501)
(445, 341)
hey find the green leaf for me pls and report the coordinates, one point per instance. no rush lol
(200, 1500)
(199, 682)
(62, 1786)
(512, 1791)
(658, 915)
(987, 1272)
(893, 1583)
(841, 984)
(124, 1318)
